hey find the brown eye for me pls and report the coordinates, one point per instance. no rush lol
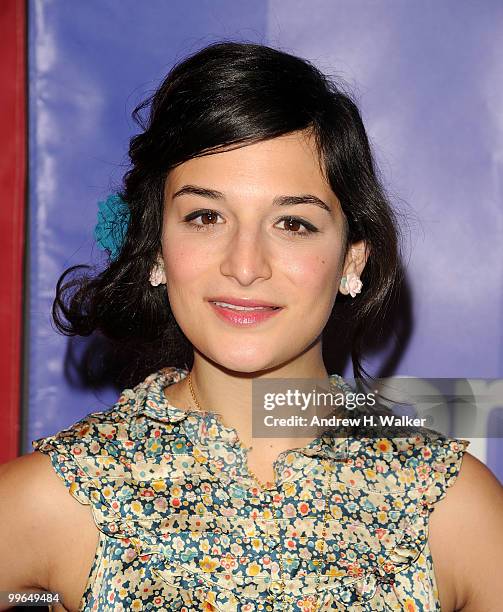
(293, 225)
(297, 227)
(209, 215)
(203, 217)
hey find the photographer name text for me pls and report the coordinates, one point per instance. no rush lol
(364, 421)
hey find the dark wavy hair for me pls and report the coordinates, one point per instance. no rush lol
(228, 94)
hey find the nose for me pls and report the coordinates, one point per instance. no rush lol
(246, 258)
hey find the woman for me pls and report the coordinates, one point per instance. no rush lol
(252, 204)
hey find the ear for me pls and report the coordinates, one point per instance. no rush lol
(158, 273)
(356, 258)
(355, 261)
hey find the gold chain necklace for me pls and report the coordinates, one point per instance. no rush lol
(280, 584)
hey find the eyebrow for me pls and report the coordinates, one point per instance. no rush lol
(286, 200)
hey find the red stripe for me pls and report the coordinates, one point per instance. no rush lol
(12, 213)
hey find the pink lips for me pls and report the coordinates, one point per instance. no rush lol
(244, 318)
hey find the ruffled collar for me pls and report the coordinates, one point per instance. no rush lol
(151, 401)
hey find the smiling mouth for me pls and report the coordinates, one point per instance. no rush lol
(247, 308)
(244, 316)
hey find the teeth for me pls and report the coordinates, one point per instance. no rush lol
(234, 307)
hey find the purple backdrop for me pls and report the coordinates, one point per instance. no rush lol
(428, 79)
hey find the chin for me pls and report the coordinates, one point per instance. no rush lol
(240, 362)
(239, 358)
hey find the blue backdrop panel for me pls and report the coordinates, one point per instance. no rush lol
(90, 63)
(428, 79)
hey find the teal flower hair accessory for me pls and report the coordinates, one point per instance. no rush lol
(113, 221)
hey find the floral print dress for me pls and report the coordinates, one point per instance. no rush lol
(184, 526)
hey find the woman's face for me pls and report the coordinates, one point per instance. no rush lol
(225, 238)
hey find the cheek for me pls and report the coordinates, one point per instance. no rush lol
(313, 271)
(181, 263)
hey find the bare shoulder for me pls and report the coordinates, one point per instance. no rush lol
(31, 490)
(466, 540)
(41, 525)
(25, 513)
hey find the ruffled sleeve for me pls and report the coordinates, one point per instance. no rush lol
(64, 450)
(445, 460)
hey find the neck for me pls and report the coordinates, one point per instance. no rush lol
(229, 393)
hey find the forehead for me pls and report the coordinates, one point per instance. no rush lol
(290, 162)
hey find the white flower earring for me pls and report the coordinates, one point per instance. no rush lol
(351, 283)
(158, 274)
